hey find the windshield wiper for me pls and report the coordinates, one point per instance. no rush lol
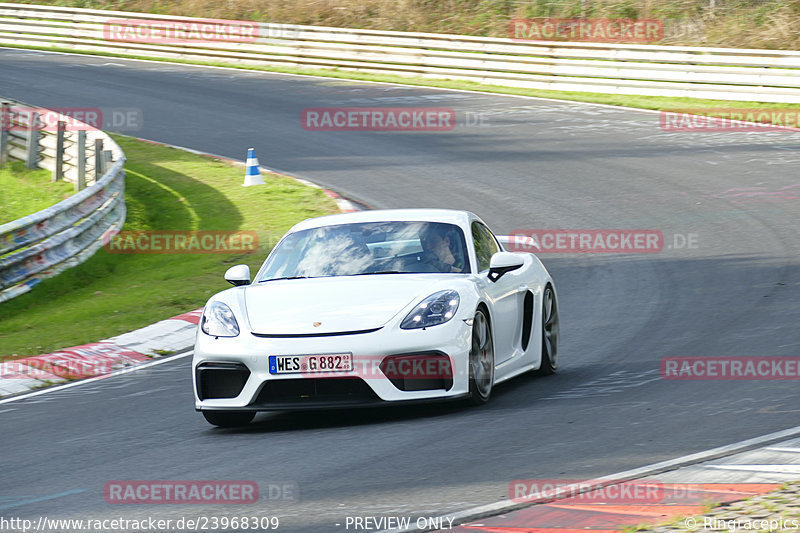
(359, 274)
(287, 277)
(378, 272)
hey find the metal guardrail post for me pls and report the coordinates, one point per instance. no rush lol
(32, 149)
(98, 159)
(80, 182)
(58, 170)
(5, 126)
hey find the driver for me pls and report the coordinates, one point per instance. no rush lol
(437, 251)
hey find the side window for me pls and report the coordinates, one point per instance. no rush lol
(485, 245)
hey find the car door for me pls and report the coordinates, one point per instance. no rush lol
(504, 295)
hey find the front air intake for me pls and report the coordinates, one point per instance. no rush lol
(216, 381)
(333, 391)
(417, 372)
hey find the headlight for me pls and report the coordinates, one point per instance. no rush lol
(436, 309)
(218, 321)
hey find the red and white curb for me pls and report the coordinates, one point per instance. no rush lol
(100, 358)
(758, 465)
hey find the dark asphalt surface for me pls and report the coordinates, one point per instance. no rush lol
(533, 164)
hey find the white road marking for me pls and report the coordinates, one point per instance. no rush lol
(781, 469)
(787, 450)
(92, 380)
(41, 499)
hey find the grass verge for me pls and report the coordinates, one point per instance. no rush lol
(743, 24)
(112, 293)
(24, 191)
(656, 103)
(778, 510)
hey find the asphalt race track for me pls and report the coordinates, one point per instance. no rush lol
(534, 164)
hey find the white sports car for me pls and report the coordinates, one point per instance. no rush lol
(374, 307)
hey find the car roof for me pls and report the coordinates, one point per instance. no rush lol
(451, 216)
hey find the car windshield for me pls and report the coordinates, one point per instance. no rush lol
(368, 248)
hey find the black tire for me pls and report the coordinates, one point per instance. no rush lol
(550, 333)
(481, 360)
(229, 419)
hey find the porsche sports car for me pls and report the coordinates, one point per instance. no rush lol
(374, 307)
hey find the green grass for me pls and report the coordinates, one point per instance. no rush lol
(766, 24)
(641, 102)
(111, 293)
(24, 191)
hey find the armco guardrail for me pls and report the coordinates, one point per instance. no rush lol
(44, 138)
(716, 73)
(43, 244)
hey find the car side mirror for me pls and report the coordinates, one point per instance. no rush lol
(238, 275)
(503, 262)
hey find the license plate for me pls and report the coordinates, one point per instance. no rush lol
(310, 364)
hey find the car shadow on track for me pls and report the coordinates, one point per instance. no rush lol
(269, 422)
(278, 421)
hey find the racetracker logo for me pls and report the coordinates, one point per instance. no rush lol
(620, 241)
(411, 368)
(181, 492)
(378, 119)
(181, 242)
(583, 491)
(729, 119)
(180, 31)
(66, 368)
(599, 30)
(22, 118)
(87, 360)
(730, 368)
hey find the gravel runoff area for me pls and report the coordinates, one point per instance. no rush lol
(775, 512)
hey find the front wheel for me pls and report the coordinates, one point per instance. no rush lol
(481, 360)
(229, 419)
(549, 333)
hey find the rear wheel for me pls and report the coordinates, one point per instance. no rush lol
(229, 419)
(549, 333)
(481, 360)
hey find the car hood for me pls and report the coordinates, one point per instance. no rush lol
(336, 304)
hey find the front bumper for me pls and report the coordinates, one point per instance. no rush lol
(233, 373)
